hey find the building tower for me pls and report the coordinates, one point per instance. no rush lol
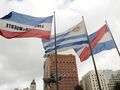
(33, 85)
(67, 69)
(113, 80)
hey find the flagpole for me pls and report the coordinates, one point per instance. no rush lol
(92, 57)
(56, 57)
(113, 39)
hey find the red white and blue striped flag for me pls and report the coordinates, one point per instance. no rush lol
(16, 25)
(99, 41)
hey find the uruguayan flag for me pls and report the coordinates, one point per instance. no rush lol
(72, 38)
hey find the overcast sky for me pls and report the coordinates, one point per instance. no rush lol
(21, 60)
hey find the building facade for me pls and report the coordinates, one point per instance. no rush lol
(115, 78)
(67, 69)
(89, 81)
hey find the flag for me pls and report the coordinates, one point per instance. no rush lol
(99, 41)
(71, 38)
(16, 25)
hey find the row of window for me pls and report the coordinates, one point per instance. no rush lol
(68, 62)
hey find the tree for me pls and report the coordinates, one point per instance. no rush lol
(78, 87)
(117, 86)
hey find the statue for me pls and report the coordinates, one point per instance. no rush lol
(51, 80)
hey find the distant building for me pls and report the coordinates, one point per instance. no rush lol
(16, 89)
(26, 88)
(108, 74)
(113, 80)
(89, 81)
(67, 69)
(32, 86)
(108, 79)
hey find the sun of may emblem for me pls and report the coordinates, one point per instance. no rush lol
(76, 29)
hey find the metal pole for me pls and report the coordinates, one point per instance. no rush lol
(56, 58)
(92, 57)
(113, 39)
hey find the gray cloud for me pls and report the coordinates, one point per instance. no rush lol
(14, 0)
(19, 62)
(63, 3)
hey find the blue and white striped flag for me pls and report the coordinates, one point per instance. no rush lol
(72, 38)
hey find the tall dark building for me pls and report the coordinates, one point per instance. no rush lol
(67, 69)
